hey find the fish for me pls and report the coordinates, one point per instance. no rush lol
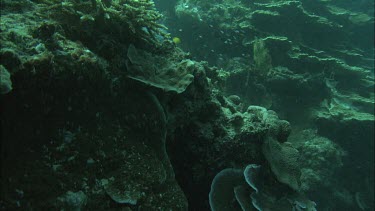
(176, 40)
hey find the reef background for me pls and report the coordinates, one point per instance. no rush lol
(100, 110)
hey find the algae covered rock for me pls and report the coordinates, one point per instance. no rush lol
(87, 128)
(129, 181)
(5, 82)
(74, 201)
(320, 159)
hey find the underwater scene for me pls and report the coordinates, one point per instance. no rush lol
(199, 105)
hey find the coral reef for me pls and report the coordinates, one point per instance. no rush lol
(101, 110)
(318, 72)
(302, 59)
(105, 120)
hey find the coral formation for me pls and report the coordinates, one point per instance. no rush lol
(222, 192)
(137, 17)
(284, 161)
(229, 191)
(101, 110)
(322, 158)
(154, 71)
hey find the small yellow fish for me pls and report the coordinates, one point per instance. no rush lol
(176, 40)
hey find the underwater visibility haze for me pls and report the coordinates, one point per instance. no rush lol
(217, 105)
